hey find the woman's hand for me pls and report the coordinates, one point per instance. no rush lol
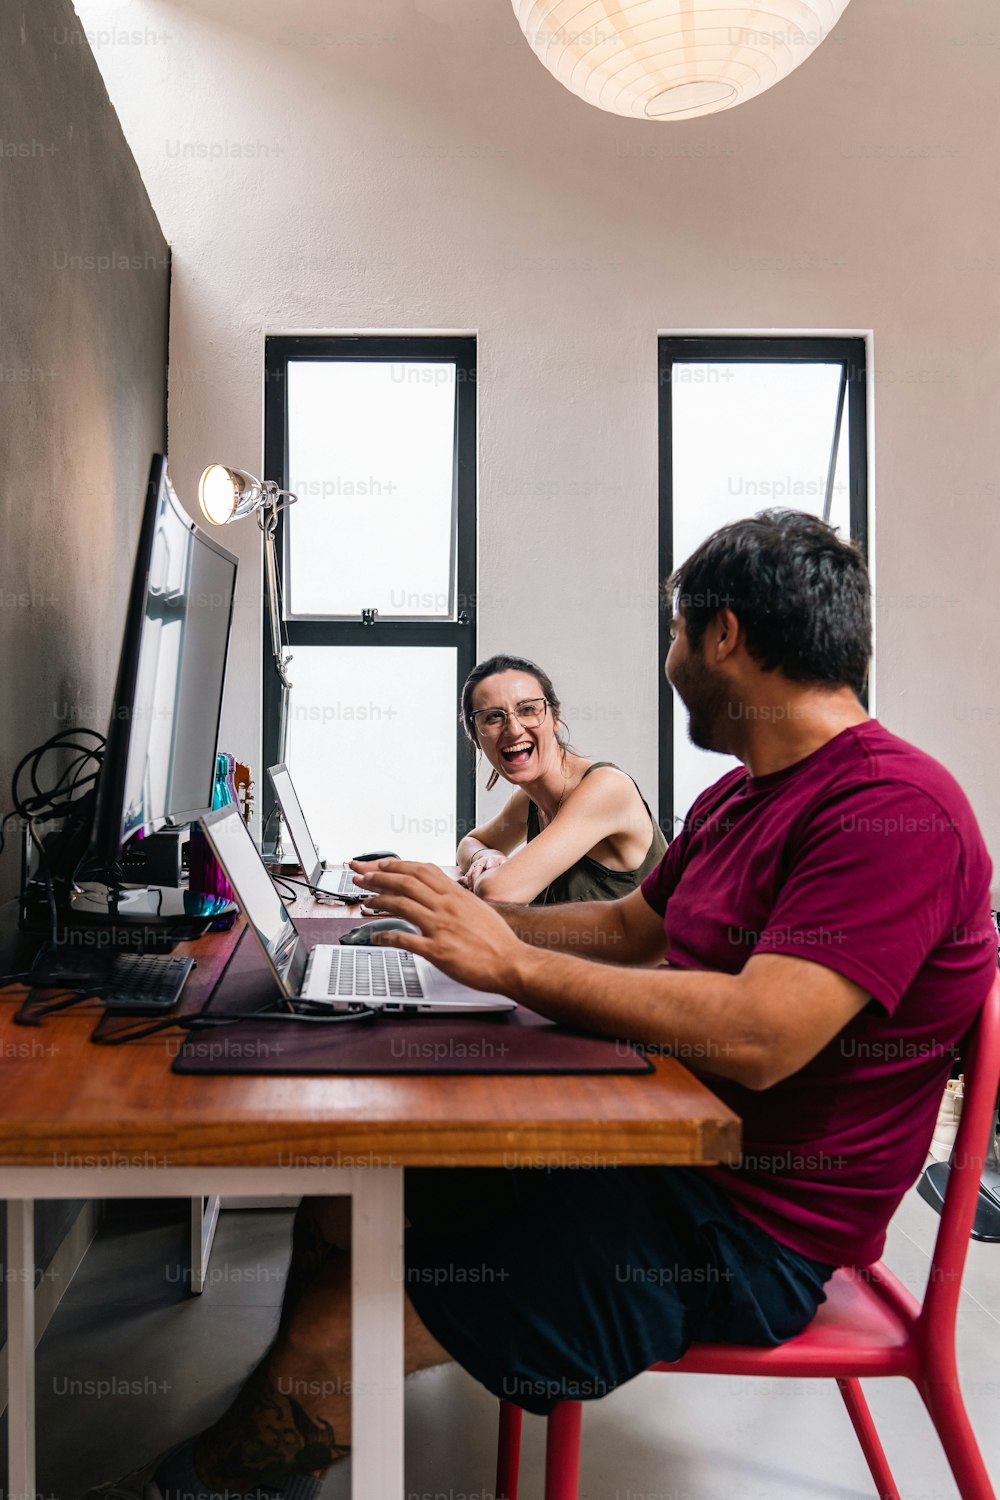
(462, 935)
(483, 860)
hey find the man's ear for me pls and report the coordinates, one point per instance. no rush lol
(728, 637)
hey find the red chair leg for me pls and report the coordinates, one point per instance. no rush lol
(943, 1400)
(562, 1451)
(508, 1451)
(871, 1444)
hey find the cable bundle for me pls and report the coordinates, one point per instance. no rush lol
(68, 794)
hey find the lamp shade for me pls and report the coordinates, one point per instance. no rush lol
(227, 494)
(673, 59)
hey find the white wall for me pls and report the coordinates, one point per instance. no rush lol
(416, 168)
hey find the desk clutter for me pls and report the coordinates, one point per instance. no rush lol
(516, 1041)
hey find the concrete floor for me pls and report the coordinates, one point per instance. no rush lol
(128, 1317)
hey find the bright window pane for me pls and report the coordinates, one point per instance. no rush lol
(747, 437)
(371, 748)
(371, 456)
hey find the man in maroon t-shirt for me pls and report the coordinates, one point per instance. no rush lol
(824, 912)
(816, 942)
(821, 927)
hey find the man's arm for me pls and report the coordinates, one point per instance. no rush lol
(627, 931)
(755, 1027)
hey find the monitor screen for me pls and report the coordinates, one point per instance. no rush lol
(159, 764)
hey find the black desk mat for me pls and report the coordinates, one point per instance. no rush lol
(516, 1041)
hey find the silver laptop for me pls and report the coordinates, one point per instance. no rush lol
(332, 882)
(386, 979)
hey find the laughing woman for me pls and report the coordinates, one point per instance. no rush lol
(587, 832)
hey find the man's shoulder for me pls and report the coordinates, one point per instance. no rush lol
(883, 761)
(891, 790)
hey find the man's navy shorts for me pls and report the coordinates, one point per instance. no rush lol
(560, 1284)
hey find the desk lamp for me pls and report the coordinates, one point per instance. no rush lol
(229, 495)
(226, 495)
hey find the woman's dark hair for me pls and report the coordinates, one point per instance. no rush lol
(489, 668)
(801, 593)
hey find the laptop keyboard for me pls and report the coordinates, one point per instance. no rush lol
(374, 973)
(346, 885)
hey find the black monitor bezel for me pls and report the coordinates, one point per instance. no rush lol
(109, 813)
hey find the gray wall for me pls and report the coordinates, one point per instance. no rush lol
(84, 281)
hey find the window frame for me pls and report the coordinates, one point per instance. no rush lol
(847, 350)
(459, 633)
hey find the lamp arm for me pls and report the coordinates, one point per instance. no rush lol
(267, 520)
(281, 657)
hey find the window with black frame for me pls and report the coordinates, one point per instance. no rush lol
(747, 423)
(376, 436)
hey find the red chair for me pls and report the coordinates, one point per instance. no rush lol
(870, 1325)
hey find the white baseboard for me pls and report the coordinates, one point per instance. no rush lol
(57, 1276)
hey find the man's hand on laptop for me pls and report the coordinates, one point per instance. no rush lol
(462, 935)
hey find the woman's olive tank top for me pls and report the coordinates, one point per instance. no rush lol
(587, 880)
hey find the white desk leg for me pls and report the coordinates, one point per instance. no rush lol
(204, 1218)
(377, 1335)
(21, 1349)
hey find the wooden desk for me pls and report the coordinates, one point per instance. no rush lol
(80, 1121)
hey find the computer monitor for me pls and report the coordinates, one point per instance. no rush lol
(159, 761)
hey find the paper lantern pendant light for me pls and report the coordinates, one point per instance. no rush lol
(673, 59)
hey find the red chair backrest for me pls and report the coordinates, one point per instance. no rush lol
(982, 1070)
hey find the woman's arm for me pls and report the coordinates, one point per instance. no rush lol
(599, 807)
(498, 837)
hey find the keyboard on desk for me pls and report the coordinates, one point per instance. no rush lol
(146, 982)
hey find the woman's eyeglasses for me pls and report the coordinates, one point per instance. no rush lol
(493, 721)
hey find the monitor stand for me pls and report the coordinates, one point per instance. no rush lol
(134, 919)
(171, 907)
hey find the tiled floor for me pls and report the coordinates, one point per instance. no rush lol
(175, 1359)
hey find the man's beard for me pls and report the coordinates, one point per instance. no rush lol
(705, 696)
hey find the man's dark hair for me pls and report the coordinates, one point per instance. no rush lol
(801, 593)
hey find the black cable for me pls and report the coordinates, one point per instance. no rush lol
(67, 796)
(283, 880)
(44, 799)
(32, 1014)
(318, 890)
(20, 977)
(193, 1023)
(29, 1015)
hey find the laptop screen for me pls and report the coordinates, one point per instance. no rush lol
(291, 811)
(264, 910)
